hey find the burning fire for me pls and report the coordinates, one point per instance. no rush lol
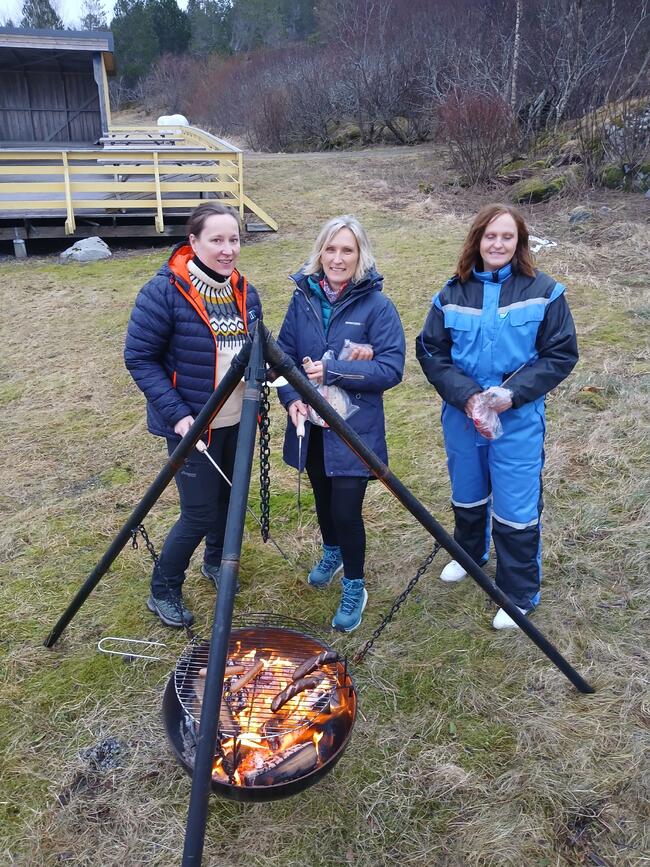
(261, 745)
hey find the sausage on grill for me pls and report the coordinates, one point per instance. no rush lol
(293, 689)
(324, 658)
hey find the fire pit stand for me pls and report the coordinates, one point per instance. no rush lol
(264, 348)
(262, 754)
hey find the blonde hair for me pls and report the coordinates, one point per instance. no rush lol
(366, 258)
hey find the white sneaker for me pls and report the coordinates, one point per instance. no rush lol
(502, 620)
(452, 572)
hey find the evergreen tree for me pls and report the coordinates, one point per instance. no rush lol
(40, 14)
(136, 42)
(171, 26)
(210, 24)
(94, 15)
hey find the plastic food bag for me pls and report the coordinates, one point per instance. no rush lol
(338, 399)
(349, 346)
(484, 415)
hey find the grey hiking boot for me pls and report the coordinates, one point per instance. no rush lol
(327, 567)
(171, 610)
(213, 573)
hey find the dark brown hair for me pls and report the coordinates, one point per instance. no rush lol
(470, 255)
(198, 217)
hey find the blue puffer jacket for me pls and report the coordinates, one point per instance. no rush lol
(171, 350)
(363, 315)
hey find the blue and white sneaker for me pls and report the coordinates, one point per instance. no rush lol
(353, 601)
(329, 565)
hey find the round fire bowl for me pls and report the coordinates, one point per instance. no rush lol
(181, 727)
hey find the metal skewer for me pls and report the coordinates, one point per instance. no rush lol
(201, 446)
(300, 433)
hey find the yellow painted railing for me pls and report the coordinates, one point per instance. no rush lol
(144, 169)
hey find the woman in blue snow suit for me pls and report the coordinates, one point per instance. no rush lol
(498, 320)
(338, 297)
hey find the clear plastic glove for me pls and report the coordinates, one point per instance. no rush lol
(498, 397)
(355, 351)
(314, 370)
(484, 409)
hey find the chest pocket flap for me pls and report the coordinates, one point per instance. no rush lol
(523, 315)
(460, 321)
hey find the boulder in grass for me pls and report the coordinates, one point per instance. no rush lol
(87, 250)
(580, 215)
(537, 189)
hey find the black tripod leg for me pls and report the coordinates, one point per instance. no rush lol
(285, 366)
(202, 774)
(164, 477)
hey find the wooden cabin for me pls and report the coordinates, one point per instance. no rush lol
(66, 170)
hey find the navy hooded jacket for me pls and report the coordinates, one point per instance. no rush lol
(363, 315)
(171, 350)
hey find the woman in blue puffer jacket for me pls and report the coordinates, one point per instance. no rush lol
(338, 298)
(187, 324)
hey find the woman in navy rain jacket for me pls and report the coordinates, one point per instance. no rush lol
(338, 297)
(187, 324)
(499, 333)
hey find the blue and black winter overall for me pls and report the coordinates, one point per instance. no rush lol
(477, 334)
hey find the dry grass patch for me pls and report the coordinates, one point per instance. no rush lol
(471, 749)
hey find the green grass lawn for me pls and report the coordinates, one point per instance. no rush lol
(470, 747)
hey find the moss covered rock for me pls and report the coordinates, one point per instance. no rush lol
(537, 189)
(612, 177)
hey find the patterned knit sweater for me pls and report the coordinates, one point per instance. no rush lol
(228, 327)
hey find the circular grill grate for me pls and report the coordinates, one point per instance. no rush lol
(247, 712)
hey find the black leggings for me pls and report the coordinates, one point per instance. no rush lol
(204, 497)
(339, 500)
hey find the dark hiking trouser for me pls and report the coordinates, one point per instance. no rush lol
(204, 498)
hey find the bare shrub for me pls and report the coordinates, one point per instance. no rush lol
(590, 146)
(167, 86)
(626, 138)
(479, 130)
(123, 94)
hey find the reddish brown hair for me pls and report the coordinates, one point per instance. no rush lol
(470, 255)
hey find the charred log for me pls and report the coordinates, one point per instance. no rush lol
(295, 762)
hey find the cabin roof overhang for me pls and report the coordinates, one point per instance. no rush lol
(21, 45)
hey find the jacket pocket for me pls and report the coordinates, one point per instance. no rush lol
(460, 321)
(523, 315)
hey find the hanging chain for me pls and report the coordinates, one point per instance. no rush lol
(156, 565)
(397, 604)
(264, 422)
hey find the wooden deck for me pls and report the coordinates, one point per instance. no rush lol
(159, 173)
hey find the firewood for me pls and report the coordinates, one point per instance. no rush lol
(294, 762)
